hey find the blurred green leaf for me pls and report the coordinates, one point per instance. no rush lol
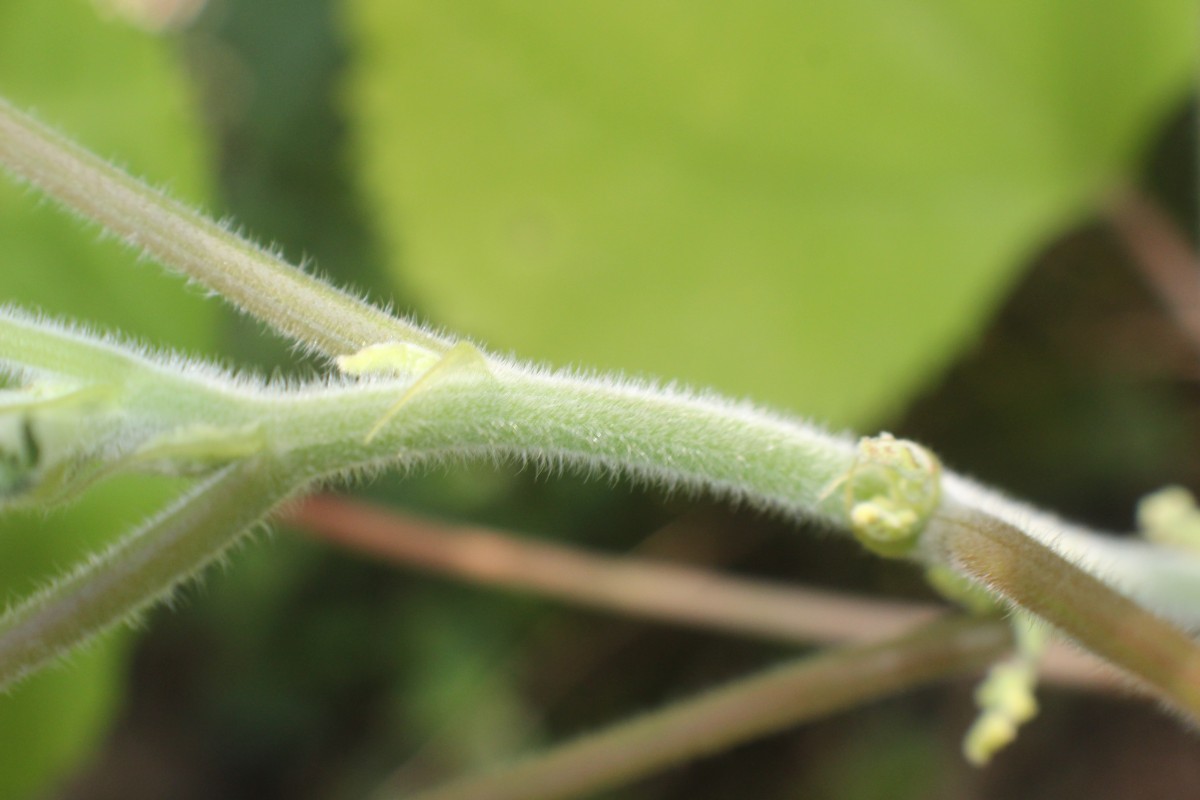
(812, 204)
(462, 695)
(893, 759)
(54, 719)
(121, 93)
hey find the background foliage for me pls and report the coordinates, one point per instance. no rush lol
(809, 205)
(119, 91)
(814, 209)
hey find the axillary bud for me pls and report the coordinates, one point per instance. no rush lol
(889, 493)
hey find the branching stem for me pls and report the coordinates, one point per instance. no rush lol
(626, 584)
(1040, 581)
(739, 712)
(184, 241)
(644, 587)
(410, 396)
(137, 571)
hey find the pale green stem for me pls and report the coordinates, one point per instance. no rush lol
(288, 299)
(150, 385)
(674, 439)
(137, 571)
(739, 712)
(29, 343)
(492, 409)
(337, 324)
(671, 438)
(683, 442)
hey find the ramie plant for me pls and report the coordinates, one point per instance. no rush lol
(84, 406)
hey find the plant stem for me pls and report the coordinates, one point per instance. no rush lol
(29, 343)
(498, 409)
(640, 586)
(293, 302)
(1037, 579)
(1163, 255)
(643, 587)
(480, 406)
(337, 324)
(739, 712)
(673, 440)
(140, 569)
(1157, 577)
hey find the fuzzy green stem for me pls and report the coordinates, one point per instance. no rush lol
(739, 712)
(29, 343)
(491, 408)
(470, 405)
(670, 439)
(478, 409)
(182, 390)
(293, 302)
(140, 569)
(1037, 579)
(338, 324)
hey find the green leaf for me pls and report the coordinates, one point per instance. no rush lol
(814, 204)
(122, 93)
(58, 717)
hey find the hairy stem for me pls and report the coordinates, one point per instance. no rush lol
(455, 402)
(293, 302)
(337, 324)
(674, 440)
(140, 569)
(1160, 578)
(29, 343)
(1099, 618)
(497, 409)
(739, 712)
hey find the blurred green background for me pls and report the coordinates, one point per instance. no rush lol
(878, 215)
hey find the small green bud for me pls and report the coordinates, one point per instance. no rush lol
(889, 494)
(1006, 701)
(462, 358)
(388, 358)
(989, 734)
(1005, 697)
(1170, 517)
